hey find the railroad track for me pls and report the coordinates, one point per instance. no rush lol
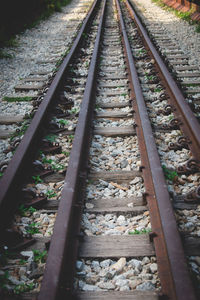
(184, 72)
(115, 227)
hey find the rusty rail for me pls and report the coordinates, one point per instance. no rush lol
(19, 166)
(169, 251)
(58, 279)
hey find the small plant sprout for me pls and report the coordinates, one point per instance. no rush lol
(22, 288)
(157, 90)
(87, 64)
(63, 122)
(17, 99)
(50, 194)
(66, 153)
(4, 54)
(37, 179)
(12, 42)
(73, 110)
(33, 228)
(171, 117)
(169, 174)
(24, 210)
(51, 137)
(142, 231)
(124, 94)
(40, 256)
(70, 138)
(197, 28)
(97, 107)
(22, 261)
(149, 77)
(21, 131)
(55, 166)
(142, 51)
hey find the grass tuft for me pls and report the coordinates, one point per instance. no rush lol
(4, 54)
(17, 99)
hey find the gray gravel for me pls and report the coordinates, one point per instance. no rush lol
(121, 275)
(44, 42)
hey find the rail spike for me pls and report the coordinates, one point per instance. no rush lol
(193, 196)
(182, 142)
(190, 167)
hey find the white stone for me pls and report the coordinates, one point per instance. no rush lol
(146, 286)
(121, 282)
(106, 285)
(119, 265)
(153, 268)
(89, 287)
(136, 264)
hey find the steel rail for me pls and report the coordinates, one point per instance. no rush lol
(58, 277)
(173, 271)
(18, 167)
(190, 125)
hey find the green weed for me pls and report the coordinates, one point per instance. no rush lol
(169, 174)
(23, 210)
(73, 111)
(182, 15)
(32, 228)
(157, 90)
(17, 99)
(12, 42)
(70, 138)
(143, 231)
(54, 165)
(142, 51)
(37, 179)
(4, 54)
(63, 122)
(97, 107)
(22, 261)
(50, 194)
(39, 256)
(21, 131)
(22, 288)
(197, 28)
(87, 64)
(149, 77)
(66, 153)
(51, 138)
